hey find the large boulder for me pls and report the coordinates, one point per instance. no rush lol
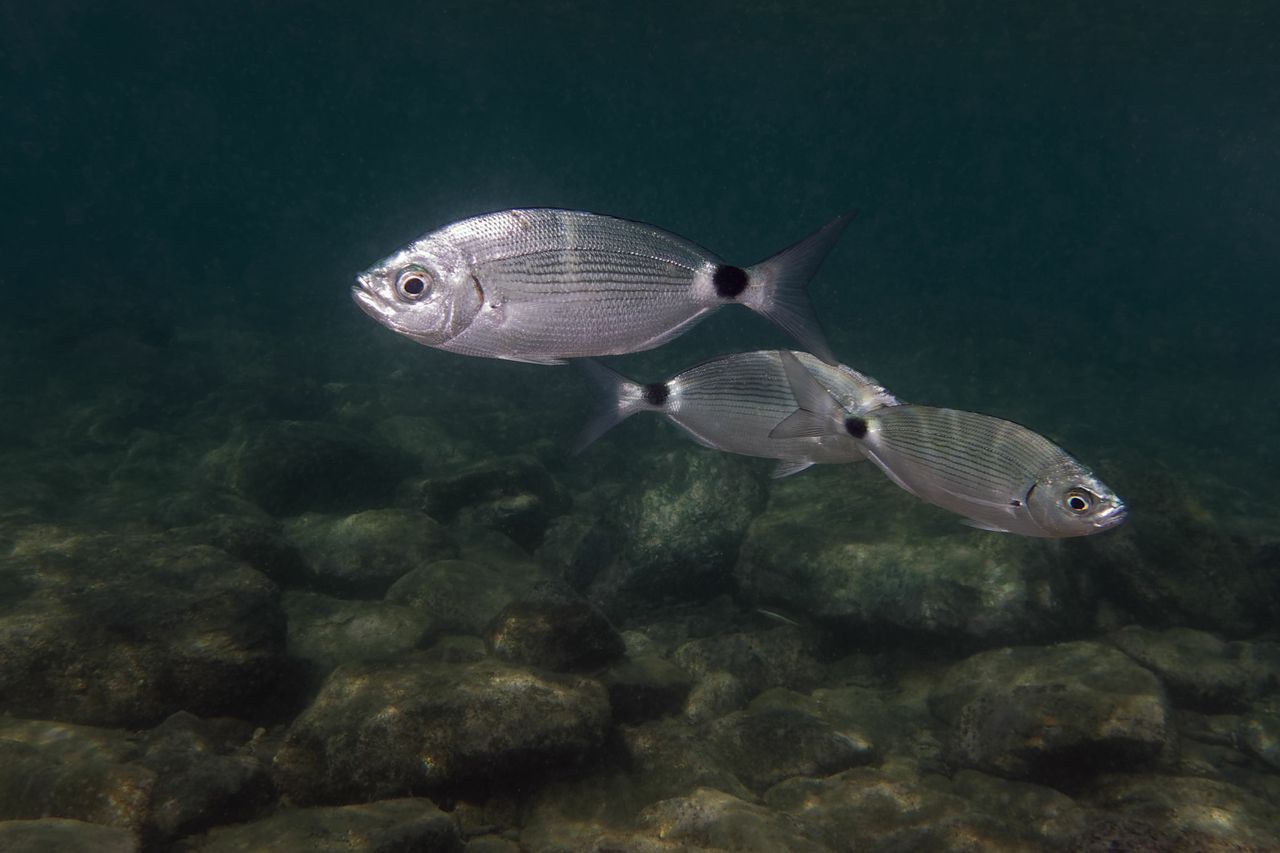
(33, 785)
(363, 554)
(848, 549)
(126, 630)
(64, 836)
(1199, 670)
(325, 631)
(386, 728)
(1054, 714)
(464, 596)
(678, 531)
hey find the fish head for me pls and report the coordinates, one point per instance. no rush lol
(425, 292)
(1071, 501)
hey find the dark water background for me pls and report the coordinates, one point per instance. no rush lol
(1068, 212)
(1069, 215)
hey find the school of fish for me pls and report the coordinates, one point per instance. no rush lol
(547, 285)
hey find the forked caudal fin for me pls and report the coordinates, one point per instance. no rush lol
(818, 412)
(782, 279)
(620, 398)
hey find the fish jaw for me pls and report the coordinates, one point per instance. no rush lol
(370, 303)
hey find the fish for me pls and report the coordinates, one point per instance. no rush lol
(999, 475)
(732, 403)
(543, 285)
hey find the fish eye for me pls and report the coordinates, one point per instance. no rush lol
(414, 284)
(1079, 501)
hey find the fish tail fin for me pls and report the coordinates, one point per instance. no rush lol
(817, 412)
(619, 397)
(782, 296)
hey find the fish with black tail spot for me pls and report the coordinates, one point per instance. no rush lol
(998, 474)
(732, 403)
(544, 285)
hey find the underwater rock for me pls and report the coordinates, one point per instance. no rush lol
(326, 632)
(1198, 670)
(860, 558)
(678, 531)
(670, 757)
(380, 729)
(377, 827)
(554, 628)
(765, 745)
(34, 786)
(713, 820)
(1052, 714)
(1180, 813)
(645, 687)
(575, 548)
(126, 630)
(1258, 734)
(779, 657)
(70, 743)
(362, 555)
(202, 779)
(291, 467)
(514, 495)
(256, 540)
(1173, 564)
(64, 836)
(461, 596)
(894, 807)
(714, 695)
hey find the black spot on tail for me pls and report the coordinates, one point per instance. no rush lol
(856, 427)
(655, 394)
(729, 281)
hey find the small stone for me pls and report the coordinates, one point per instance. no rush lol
(1199, 670)
(64, 836)
(326, 631)
(461, 596)
(778, 657)
(708, 818)
(33, 786)
(767, 745)
(714, 695)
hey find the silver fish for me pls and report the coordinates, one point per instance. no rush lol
(543, 285)
(999, 475)
(732, 403)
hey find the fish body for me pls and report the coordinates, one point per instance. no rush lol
(734, 402)
(543, 285)
(998, 474)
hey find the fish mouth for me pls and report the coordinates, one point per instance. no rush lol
(372, 304)
(1112, 516)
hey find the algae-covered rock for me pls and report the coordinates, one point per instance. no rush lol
(378, 827)
(34, 786)
(645, 687)
(765, 745)
(778, 657)
(713, 820)
(382, 729)
(462, 596)
(64, 836)
(678, 530)
(125, 630)
(843, 548)
(362, 555)
(1199, 670)
(514, 495)
(202, 778)
(552, 627)
(1052, 713)
(897, 808)
(291, 467)
(1181, 813)
(325, 631)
